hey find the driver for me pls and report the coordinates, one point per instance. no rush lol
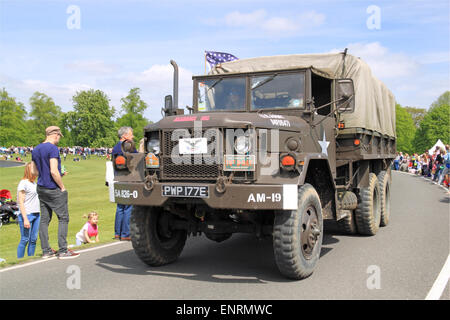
(234, 100)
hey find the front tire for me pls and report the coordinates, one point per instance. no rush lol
(152, 245)
(298, 234)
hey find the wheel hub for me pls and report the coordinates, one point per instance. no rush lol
(310, 232)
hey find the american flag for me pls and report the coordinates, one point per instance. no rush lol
(214, 57)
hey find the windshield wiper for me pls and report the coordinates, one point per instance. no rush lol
(259, 84)
(214, 84)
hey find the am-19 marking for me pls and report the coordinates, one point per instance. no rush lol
(262, 197)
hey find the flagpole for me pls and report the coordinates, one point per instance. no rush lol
(205, 62)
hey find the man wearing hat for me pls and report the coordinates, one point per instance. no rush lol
(52, 193)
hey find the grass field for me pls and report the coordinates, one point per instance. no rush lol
(85, 183)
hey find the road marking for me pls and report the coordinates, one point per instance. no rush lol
(53, 258)
(425, 178)
(440, 283)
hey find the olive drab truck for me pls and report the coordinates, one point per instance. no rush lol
(272, 146)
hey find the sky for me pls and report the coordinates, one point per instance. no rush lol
(60, 47)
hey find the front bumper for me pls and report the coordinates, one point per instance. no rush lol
(236, 196)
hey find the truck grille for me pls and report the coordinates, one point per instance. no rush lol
(195, 168)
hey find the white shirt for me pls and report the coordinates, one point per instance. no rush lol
(31, 202)
(80, 235)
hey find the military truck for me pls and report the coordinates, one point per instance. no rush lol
(272, 146)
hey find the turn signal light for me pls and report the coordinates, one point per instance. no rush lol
(356, 142)
(287, 161)
(120, 162)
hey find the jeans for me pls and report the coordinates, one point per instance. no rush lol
(28, 235)
(57, 201)
(122, 221)
(396, 165)
(437, 174)
(442, 175)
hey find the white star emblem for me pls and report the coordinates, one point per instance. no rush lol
(324, 144)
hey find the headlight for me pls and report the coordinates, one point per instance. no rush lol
(153, 146)
(242, 144)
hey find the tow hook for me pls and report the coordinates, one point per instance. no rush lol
(149, 182)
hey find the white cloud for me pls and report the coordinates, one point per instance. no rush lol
(238, 19)
(407, 76)
(61, 93)
(383, 63)
(155, 83)
(92, 67)
(435, 57)
(260, 20)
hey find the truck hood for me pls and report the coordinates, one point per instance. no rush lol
(231, 120)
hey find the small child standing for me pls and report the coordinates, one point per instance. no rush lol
(89, 230)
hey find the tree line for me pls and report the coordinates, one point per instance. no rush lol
(418, 129)
(93, 122)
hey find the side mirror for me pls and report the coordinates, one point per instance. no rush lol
(345, 93)
(127, 146)
(168, 104)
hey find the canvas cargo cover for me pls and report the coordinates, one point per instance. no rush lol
(374, 102)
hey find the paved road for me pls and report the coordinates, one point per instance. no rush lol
(10, 163)
(407, 255)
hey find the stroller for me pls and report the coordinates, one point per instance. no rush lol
(8, 208)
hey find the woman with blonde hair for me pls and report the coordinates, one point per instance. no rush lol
(29, 217)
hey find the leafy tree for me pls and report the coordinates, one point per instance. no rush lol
(444, 99)
(417, 114)
(44, 113)
(13, 129)
(405, 129)
(435, 125)
(133, 108)
(91, 124)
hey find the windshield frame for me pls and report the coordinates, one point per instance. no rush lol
(248, 92)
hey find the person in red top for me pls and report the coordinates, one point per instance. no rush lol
(89, 230)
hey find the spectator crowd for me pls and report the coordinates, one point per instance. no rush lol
(80, 153)
(435, 165)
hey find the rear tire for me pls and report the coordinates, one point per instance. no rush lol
(298, 234)
(150, 245)
(385, 197)
(368, 212)
(347, 224)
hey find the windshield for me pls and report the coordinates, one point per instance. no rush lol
(278, 91)
(221, 94)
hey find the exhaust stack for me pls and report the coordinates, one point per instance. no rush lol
(175, 84)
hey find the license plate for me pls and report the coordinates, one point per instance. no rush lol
(185, 191)
(193, 146)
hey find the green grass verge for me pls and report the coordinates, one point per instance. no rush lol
(85, 183)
